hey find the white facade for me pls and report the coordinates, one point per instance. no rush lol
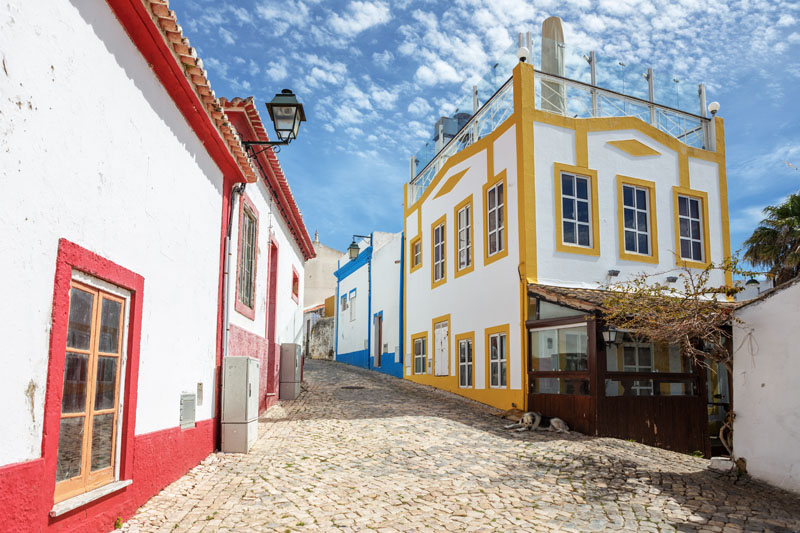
(766, 403)
(320, 283)
(385, 300)
(352, 317)
(108, 163)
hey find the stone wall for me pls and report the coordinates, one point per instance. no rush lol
(320, 344)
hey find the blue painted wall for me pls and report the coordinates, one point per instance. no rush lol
(357, 358)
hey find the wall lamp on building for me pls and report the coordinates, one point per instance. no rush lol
(286, 113)
(353, 249)
(610, 335)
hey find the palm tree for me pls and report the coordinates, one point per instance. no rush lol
(775, 244)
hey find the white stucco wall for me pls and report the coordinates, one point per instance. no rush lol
(289, 313)
(487, 297)
(553, 144)
(352, 334)
(320, 283)
(385, 293)
(92, 149)
(765, 369)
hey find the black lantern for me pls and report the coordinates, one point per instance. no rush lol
(286, 114)
(353, 250)
(610, 335)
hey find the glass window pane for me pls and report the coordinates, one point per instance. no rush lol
(503, 374)
(582, 188)
(684, 227)
(583, 211)
(70, 448)
(493, 355)
(492, 243)
(569, 232)
(641, 199)
(500, 239)
(566, 185)
(683, 206)
(641, 221)
(583, 235)
(629, 356)
(102, 433)
(499, 194)
(697, 253)
(568, 209)
(644, 357)
(73, 398)
(500, 216)
(695, 205)
(627, 196)
(686, 248)
(571, 386)
(630, 241)
(695, 225)
(630, 218)
(80, 319)
(493, 380)
(109, 326)
(492, 202)
(643, 245)
(106, 382)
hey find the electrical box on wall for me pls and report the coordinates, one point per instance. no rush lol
(188, 403)
(240, 389)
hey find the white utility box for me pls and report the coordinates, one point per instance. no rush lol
(240, 379)
(291, 371)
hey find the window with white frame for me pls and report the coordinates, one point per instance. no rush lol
(352, 305)
(690, 221)
(495, 204)
(638, 357)
(420, 356)
(636, 216)
(576, 210)
(464, 251)
(416, 253)
(497, 360)
(438, 253)
(247, 258)
(465, 363)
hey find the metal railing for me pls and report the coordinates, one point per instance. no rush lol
(493, 113)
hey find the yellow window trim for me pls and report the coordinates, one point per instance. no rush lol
(439, 320)
(442, 220)
(573, 248)
(651, 203)
(633, 147)
(505, 328)
(451, 182)
(468, 336)
(488, 259)
(411, 243)
(414, 337)
(703, 197)
(459, 206)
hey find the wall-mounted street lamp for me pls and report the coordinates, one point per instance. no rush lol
(610, 335)
(286, 113)
(353, 249)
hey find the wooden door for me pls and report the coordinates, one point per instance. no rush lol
(378, 339)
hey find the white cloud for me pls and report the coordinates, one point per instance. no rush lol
(793, 38)
(786, 20)
(383, 98)
(419, 106)
(276, 70)
(358, 17)
(382, 59)
(226, 36)
(283, 15)
(438, 72)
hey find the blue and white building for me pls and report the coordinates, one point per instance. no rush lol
(369, 309)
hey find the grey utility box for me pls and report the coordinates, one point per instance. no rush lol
(291, 371)
(240, 380)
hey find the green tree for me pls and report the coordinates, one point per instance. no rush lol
(775, 244)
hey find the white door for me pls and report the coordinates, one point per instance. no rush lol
(441, 353)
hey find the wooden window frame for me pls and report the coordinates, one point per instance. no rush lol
(489, 333)
(439, 222)
(706, 247)
(423, 336)
(466, 337)
(466, 203)
(245, 205)
(416, 241)
(650, 186)
(502, 252)
(561, 246)
(295, 285)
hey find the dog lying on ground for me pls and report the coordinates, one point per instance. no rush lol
(531, 421)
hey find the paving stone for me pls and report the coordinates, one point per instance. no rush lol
(397, 456)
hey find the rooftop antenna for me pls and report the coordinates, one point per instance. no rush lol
(553, 93)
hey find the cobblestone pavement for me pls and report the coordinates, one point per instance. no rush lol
(395, 456)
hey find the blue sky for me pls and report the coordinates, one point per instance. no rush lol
(374, 76)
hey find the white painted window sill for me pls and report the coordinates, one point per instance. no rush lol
(87, 497)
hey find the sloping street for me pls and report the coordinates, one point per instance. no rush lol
(359, 450)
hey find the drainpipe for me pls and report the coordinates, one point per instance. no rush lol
(237, 190)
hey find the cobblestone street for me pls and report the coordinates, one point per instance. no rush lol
(395, 456)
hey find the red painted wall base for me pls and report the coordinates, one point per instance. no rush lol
(242, 343)
(159, 459)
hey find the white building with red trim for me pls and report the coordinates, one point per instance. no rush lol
(118, 169)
